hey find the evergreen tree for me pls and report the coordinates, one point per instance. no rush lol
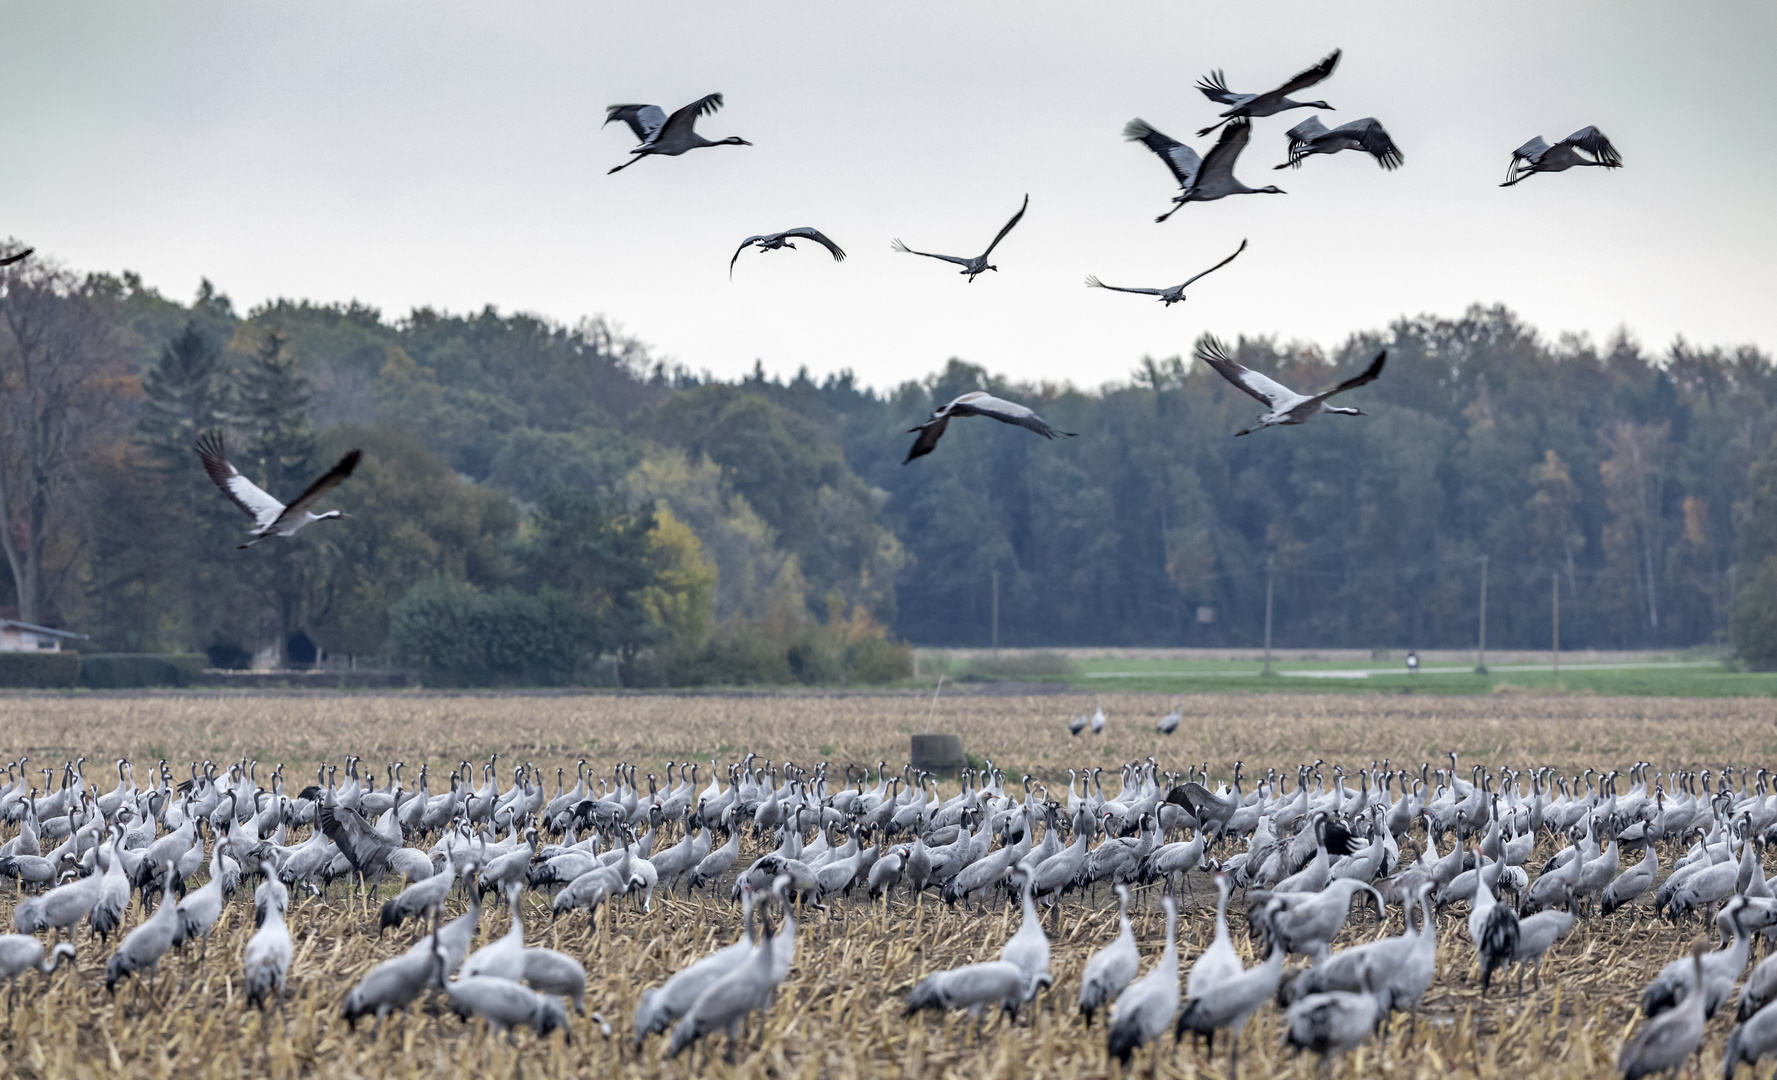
(185, 393)
(279, 453)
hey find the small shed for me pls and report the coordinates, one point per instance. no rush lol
(18, 636)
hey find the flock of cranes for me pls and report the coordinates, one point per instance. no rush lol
(1303, 848)
(1201, 178)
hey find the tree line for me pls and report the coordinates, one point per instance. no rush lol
(541, 503)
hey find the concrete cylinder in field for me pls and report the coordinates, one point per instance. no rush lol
(938, 753)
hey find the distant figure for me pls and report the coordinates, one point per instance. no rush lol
(1412, 662)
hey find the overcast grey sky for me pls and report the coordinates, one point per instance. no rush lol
(447, 154)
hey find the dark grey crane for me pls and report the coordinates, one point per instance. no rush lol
(1204, 179)
(775, 241)
(1313, 137)
(977, 403)
(1587, 146)
(1670, 1037)
(366, 849)
(271, 517)
(665, 135)
(1270, 103)
(1286, 405)
(1168, 296)
(978, 264)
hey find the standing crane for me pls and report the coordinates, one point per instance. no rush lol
(1143, 1011)
(1111, 968)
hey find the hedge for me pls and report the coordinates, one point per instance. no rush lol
(43, 670)
(128, 671)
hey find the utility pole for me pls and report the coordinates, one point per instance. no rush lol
(996, 613)
(1270, 560)
(1555, 635)
(1481, 660)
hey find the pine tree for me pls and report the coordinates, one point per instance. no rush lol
(278, 454)
(186, 393)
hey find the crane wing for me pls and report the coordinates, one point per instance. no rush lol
(744, 244)
(1215, 88)
(1270, 392)
(1007, 227)
(1181, 159)
(1593, 142)
(815, 235)
(1364, 378)
(980, 403)
(1221, 157)
(1198, 799)
(1374, 140)
(328, 480)
(898, 246)
(1309, 76)
(1217, 266)
(645, 120)
(1092, 282)
(684, 119)
(1302, 138)
(1531, 150)
(365, 848)
(929, 434)
(256, 504)
(10, 259)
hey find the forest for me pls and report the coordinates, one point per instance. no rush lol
(545, 504)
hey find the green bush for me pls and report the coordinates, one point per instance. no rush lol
(40, 670)
(461, 637)
(1753, 623)
(879, 660)
(128, 671)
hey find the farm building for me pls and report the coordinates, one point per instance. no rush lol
(18, 636)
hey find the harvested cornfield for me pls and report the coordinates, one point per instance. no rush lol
(839, 1014)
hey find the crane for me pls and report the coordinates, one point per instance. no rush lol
(978, 264)
(1204, 179)
(1111, 968)
(777, 241)
(1271, 102)
(1286, 406)
(1144, 1009)
(668, 136)
(1170, 295)
(977, 403)
(1313, 137)
(271, 517)
(1587, 146)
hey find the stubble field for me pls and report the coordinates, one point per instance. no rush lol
(839, 1013)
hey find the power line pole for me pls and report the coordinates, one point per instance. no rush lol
(1481, 659)
(1555, 635)
(996, 613)
(1270, 560)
